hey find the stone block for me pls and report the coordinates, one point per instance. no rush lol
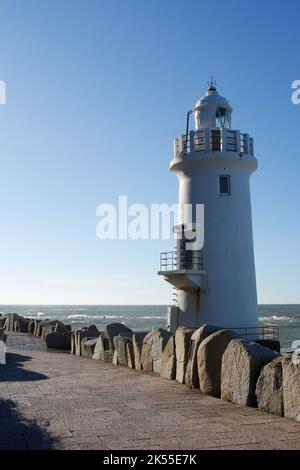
(137, 342)
(209, 359)
(120, 354)
(168, 360)
(182, 343)
(241, 365)
(88, 346)
(191, 375)
(58, 340)
(291, 388)
(269, 389)
(154, 344)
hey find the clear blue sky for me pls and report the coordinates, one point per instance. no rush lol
(96, 92)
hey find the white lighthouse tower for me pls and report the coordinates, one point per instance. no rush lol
(213, 163)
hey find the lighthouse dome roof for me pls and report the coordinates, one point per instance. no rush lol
(212, 97)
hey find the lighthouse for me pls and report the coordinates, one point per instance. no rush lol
(215, 284)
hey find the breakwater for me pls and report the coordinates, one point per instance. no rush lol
(214, 360)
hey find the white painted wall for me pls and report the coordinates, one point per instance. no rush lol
(231, 298)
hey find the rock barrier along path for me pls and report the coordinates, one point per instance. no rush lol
(53, 400)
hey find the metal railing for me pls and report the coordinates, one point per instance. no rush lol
(214, 140)
(181, 259)
(259, 332)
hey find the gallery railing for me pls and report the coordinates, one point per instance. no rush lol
(181, 259)
(214, 140)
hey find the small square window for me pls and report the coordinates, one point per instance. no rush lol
(224, 184)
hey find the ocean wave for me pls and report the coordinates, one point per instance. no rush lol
(276, 318)
(34, 315)
(149, 318)
(112, 317)
(93, 317)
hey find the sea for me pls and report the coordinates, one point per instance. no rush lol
(145, 317)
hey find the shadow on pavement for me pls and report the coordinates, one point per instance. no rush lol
(20, 433)
(13, 370)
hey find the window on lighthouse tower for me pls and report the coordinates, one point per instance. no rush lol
(224, 184)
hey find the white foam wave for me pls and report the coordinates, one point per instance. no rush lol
(112, 317)
(93, 317)
(276, 318)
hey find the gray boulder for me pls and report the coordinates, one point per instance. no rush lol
(130, 355)
(91, 332)
(182, 343)
(77, 337)
(58, 326)
(168, 360)
(88, 346)
(120, 353)
(2, 320)
(160, 340)
(3, 336)
(102, 350)
(16, 323)
(191, 375)
(37, 328)
(58, 340)
(10, 320)
(73, 342)
(146, 353)
(291, 388)
(137, 342)
(115, 358)
(269, 389)
(114, 329)
(31, 327)
(52, 326)
(154, 344)
(273, 344)
(21, 325)
(2, 353)
(209, 359)
(242, 362)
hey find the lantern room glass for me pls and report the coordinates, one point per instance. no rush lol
(223, 118)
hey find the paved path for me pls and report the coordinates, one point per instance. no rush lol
(58, 401)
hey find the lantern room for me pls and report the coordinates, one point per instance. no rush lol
(212, 110)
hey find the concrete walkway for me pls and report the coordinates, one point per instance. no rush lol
(51, 400)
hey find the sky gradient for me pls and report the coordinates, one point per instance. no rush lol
(96, 92)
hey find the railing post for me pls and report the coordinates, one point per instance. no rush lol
(207, 140)
(238, 141)
(247, 141)
(251, 149)
(192, 146)
(176, 147)
(224, 140)
(182, 144)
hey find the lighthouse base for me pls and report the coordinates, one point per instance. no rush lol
(193, 309)
(187, 313)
